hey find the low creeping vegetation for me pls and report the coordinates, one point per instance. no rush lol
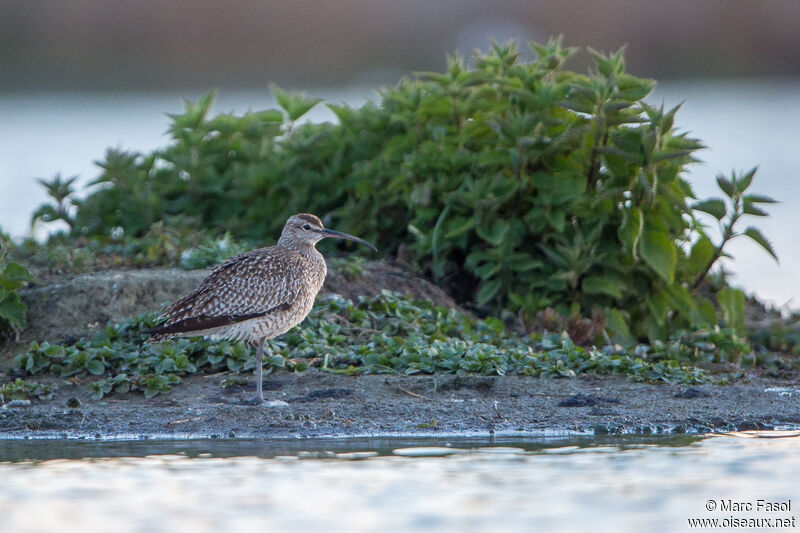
(24, 390)
(385, 334)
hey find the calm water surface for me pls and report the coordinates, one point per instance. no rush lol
(575, 484)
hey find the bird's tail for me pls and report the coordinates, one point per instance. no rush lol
(157, 334)
(159, 338)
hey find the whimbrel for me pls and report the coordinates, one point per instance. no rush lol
(256, 295)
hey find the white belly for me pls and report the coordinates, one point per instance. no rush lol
(268, 326)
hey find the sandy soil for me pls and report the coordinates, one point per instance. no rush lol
(318, 404)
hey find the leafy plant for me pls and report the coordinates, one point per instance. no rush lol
(12, 310)
(60, 191)
(781, 337)
(24, 390)
(514, 185)
(727, 215)
(704, 253)
(120, 383)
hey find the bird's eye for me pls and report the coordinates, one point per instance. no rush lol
(306, 226)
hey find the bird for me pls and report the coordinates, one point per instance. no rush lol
(256, 295)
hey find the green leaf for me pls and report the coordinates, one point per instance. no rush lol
(666, 155)
(122, 383)
(731, 303)
(463, 228)
(749, 209)
(706, 312)
(45, 213)
(659, 306)
(13, 311)
(525, 263)
(488, 291)
(96, 367)
(557, 219)
(759, 199)
(195, 113)
(653, 328)
(660, 254)
(617, 326)
(438, 263)
(17, 273)
(604, 285)
(295, 104)
(494, 232)
(682, 301)
(744, 182)
(631, 229)
(487, 270)
(701, 254)
(270, 115)
(281, 96)
(54, 351)
(726, 185)
(762, 241)
(713, 206)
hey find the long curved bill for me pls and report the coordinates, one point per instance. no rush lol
(339, 235)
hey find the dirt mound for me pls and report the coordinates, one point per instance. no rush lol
(79, 306)
(377, 276)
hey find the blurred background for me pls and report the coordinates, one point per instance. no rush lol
(79, 76)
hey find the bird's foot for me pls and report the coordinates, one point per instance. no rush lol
(264, 403)
(253, 401)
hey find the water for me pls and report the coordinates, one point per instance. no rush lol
(573, 484)
(744, 124)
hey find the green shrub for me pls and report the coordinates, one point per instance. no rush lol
(515, 185)
(12, 277)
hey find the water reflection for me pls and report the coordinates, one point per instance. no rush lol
(578, 484)
(43, 449)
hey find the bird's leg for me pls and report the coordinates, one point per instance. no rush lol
(260, 371)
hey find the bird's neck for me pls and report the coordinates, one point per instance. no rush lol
(306, 250)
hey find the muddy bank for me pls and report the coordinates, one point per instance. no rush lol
(81, 305)
(319, 404)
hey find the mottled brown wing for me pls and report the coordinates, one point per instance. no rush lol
(244, 286)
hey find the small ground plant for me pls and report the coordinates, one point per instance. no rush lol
(20, 389)
(384, 334)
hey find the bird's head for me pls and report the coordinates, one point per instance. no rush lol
(304, 229)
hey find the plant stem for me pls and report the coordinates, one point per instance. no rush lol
(727, 235)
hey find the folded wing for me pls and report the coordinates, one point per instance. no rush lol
(247, 286)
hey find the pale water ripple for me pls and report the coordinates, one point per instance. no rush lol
(626, 486)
